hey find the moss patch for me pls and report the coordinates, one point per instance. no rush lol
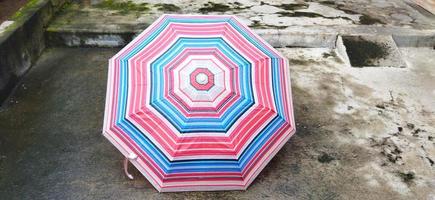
(123, 7)
(362, 52)
(30, 5)
(22, 15)
(368, 20)
(214, 7)
(167, 7)
(69, 6)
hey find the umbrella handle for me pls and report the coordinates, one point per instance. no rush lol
(132, 156)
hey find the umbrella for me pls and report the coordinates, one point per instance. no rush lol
(198, 102)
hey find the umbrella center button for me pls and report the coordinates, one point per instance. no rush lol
(201, 78)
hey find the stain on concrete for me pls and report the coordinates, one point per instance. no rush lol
(362, 52)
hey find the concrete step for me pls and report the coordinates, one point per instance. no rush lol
(118, 35)
(282, 25)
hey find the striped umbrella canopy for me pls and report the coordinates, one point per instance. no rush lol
(198, 102)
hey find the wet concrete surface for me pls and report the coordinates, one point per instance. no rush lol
(347, 144)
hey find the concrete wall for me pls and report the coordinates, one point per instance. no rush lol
(22, 42)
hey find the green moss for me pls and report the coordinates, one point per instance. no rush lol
(22, 14)
(214, 7)
(293, 6)
(30, 5)
(10, 28)
(362, 52)
(368, 20)
(168, 7)
(123, 7)
(67, 13)
(69, 6)
(59, 23)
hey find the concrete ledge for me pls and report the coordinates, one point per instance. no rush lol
(298, 36)
(22, 41)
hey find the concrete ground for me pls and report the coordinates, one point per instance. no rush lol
(362, 133)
